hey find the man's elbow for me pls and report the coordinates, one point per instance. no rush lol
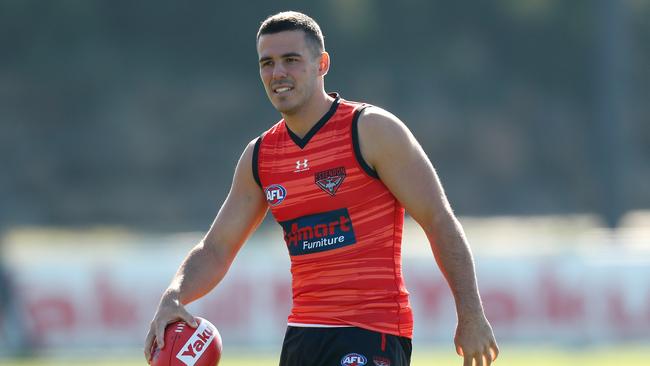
(214, 249)
(437, 221)
(444, 230)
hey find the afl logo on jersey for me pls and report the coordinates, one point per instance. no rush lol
(275, 194)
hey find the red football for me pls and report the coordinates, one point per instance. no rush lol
(186, 346)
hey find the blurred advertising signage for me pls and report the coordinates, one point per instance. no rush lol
(109, 301)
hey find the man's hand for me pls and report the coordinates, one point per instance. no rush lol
(169, 310)
(475, 342)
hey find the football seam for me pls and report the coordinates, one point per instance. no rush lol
(173, 347)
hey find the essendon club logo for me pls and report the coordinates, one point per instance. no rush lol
(318, 232)
(381, 361)
(330, 180)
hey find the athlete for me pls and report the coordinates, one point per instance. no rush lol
(337, 176)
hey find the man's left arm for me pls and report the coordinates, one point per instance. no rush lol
(391, 149)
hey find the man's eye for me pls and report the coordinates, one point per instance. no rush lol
(291, 60)
(266, 64)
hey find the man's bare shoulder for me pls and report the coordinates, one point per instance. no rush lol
(378, 120)
(245, 164)
(382, 135)
(382, 127)
(247, 154)
(251, 145)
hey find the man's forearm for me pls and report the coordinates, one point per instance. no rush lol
(203, 268)
(454, 257)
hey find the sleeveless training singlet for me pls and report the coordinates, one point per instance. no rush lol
(342, 226)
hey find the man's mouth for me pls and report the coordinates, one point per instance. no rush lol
(282, 89)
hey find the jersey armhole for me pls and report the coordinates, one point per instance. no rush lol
(256, 151)
(355, 143)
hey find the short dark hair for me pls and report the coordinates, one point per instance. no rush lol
(293, 20)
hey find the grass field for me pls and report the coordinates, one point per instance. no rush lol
(514, 356)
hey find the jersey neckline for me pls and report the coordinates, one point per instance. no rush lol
(302, 142)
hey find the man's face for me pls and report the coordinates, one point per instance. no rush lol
(288, 68)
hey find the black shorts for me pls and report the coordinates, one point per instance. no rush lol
(346, 346)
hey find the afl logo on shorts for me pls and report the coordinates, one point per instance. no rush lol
(353, 359)
(275, 194)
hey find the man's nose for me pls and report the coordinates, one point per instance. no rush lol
(279, 71)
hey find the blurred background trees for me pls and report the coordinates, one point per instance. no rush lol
(134, 113)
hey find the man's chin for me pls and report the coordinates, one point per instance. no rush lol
(284, 107)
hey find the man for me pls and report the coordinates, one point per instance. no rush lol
(337, 176)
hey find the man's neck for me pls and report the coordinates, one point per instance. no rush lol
(304, 119)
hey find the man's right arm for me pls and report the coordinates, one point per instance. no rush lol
(207, 263)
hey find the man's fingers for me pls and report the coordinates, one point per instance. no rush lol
(478, 357)
(494, 350)
(148, 343)
(188, 318)
(467, 360)
(160, 335)
(487, 353)
(484, 358)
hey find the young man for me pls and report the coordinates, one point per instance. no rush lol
(337, 176)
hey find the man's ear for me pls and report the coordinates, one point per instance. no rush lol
(324, 63)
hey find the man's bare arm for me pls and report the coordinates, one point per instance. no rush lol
(240, 214)
(207, 263)
(402, 165)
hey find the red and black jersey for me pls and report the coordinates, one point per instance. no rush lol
(342, 226)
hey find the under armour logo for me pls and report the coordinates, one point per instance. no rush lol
(301, 166)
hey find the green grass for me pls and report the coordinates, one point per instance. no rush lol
(510, 356)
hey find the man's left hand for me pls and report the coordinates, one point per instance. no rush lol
(475, 342)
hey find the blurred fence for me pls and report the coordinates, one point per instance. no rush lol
(100, 289)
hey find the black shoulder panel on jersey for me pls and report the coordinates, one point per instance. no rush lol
(256, 151)
(355, 143)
